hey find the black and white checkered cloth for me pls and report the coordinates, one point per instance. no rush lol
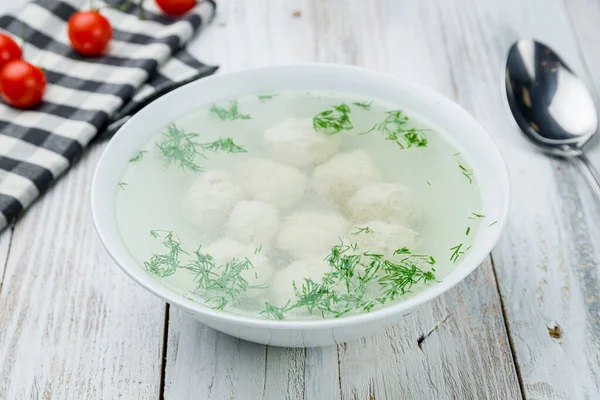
(84, 95)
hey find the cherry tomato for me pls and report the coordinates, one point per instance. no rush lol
(176, 7)
(22, 84)
(9, 50)
(89, 32)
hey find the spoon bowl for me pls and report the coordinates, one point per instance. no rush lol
(551, 105)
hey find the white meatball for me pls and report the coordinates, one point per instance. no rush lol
(295, 142)
(227, 250)
(253, 222)
(270, 182)
(210, 198)
(388, 202)
(307, 233)
(344, 174)
(382, 237)
(282, 287)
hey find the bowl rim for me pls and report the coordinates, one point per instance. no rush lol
(461, 271)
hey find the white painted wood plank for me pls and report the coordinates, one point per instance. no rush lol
(547, 260)
(72, 325)
(469, 354)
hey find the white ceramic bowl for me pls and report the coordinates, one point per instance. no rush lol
(474, 142)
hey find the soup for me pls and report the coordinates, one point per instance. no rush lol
(299, 205)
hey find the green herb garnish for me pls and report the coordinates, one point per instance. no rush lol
(182, 148)
(478, 215)
(225, 145)
(123, 185)
(468, 231)
(219, 284)
(258, 249)
(466, 172)
(394, 128)
(358, 230)
(163, 265)
(363, 104)
(456, 252)
(230, 114)
(266, 96)
(138, 156)
(273, 311)
(493, 223)
(333, 120)
(429, 183)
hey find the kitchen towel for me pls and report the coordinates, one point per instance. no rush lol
(84, 95)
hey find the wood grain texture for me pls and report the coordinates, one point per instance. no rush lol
(547, 260)
(5, 242)
(72, 325)
(464, 352)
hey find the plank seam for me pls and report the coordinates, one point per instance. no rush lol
(5, 266)
(507, 327)
(163, 361)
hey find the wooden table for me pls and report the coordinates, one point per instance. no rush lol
(525, 324)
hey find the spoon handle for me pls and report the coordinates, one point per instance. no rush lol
(589, 172)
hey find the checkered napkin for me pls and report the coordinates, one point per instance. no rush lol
(85, 95)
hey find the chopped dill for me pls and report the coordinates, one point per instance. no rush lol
(468, 174)
(274, 311)
(182, 148)
(478, 215)
(357, 281)
(468, 231)
(394, 129)
(364, 104)
(123, 185)
(219, 284)
(266, 96)
(456, 154)
(429, 183)
(333, 120)
(258, 249)
(163, 265)
(138, 157)
(358, 230)
(493, 223)
(230, 114)
(225, 145)
(456, 252)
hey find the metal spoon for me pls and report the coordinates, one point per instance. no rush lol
(551, 104)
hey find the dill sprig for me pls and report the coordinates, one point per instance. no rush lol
(364, 104)
(456, 252)
(230, 114)
(138, 157)
(493, 223)
(468, 231)
(357, 281)
(219, 284)
(358, 230)
(262, 97)
(274, 311)
(476, 215)
(123, 185)
(182, 148)
(225, 145)
(333, 120)
(466, 172)
(163, 265)
(394, 128)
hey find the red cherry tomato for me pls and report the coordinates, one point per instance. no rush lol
(89, 32)
(9, 50)
(176, 7)
(22, 84)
